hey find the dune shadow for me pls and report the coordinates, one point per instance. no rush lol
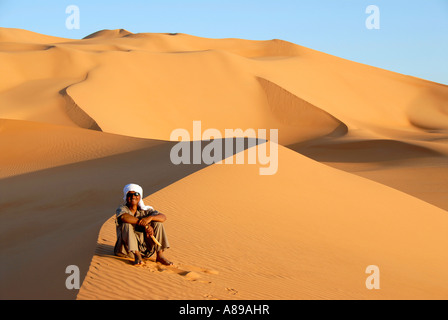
(363, 151)
(428, 111)
(105, 250)
(77, 114)
(66, 206)
(292, 110)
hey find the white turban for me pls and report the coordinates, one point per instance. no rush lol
(136, 188)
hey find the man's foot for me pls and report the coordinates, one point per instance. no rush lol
(139, 263)
(138, 259)
(164, 261)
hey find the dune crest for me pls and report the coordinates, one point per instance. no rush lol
(107, 34)
(428, 111)
(14, 35)
(76, 114)
(294, 111)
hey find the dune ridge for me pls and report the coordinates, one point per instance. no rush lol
(108, 34)
(361, 179)
(76, 114)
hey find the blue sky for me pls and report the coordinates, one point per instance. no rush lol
(412, 39)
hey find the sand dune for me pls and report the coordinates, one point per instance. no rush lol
(24, 36)
(45, 146)
(290, 245)
(361, 179)
(106, 34)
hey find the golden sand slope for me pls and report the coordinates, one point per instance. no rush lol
(29, 145)
(289, 246)
(81, 118)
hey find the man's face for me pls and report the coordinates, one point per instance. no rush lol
(133, 198)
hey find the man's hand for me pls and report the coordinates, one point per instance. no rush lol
(149, 231)
(144, 221)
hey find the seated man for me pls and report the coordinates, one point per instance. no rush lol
(140, 230)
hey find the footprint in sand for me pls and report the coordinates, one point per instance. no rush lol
(210, 297)
(200, 270)
(232, 291)
(190, 273)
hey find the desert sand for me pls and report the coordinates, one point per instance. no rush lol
(362, 173)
